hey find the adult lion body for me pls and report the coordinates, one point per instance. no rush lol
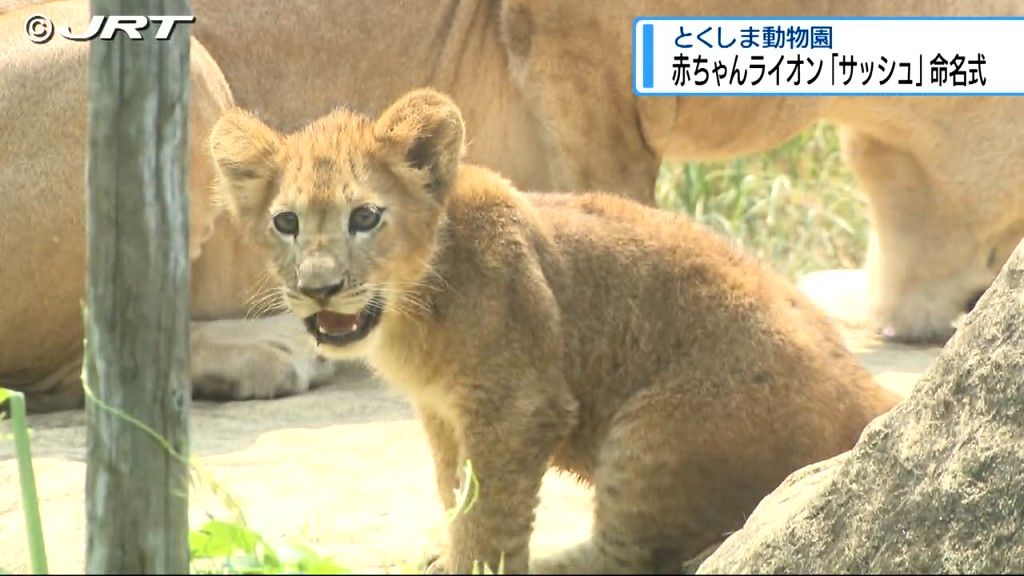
(546, 89)
(42, 177)
(624, 344)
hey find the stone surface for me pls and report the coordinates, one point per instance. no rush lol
(935, 485)
(345, 466)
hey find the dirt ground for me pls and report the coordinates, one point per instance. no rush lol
(345, 466)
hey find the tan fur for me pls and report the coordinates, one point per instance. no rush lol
(546, 89)
(552, 112)
(43, 115)
(624, 344)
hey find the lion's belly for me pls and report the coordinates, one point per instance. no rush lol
(43, 113)
(716, 128)
(40, 310)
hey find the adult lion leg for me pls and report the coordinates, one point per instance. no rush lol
(593, 144)
(929, 256)
(588, 115)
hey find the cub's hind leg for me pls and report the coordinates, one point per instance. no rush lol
(677, 472)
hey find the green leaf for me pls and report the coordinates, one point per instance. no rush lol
(320, 565)
(217, 539)
(230, 547)
(300, 558)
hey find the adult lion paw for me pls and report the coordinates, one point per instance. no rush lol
(436, 564)
(248, 359)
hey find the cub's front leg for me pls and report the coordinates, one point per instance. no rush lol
(445, 448)
(510, 438)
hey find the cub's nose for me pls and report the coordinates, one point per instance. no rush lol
(321, 293)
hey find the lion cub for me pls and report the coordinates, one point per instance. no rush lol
(622, 343)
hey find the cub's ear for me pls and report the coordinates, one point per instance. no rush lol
(245, 153)
(424, 131)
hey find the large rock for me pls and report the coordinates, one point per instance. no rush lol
(935, 485)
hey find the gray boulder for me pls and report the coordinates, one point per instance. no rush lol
(935, 485)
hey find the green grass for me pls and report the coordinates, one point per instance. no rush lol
(26, 476)
(794, 207)
(231, 547)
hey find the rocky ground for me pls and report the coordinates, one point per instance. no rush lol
(345, 466)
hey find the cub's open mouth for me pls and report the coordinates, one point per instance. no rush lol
(337, 329)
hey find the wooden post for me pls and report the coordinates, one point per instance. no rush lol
(136, 359)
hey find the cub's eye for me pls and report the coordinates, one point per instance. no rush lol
(287, 223)
(364, 218)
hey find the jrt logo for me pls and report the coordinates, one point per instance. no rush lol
(40, 29)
